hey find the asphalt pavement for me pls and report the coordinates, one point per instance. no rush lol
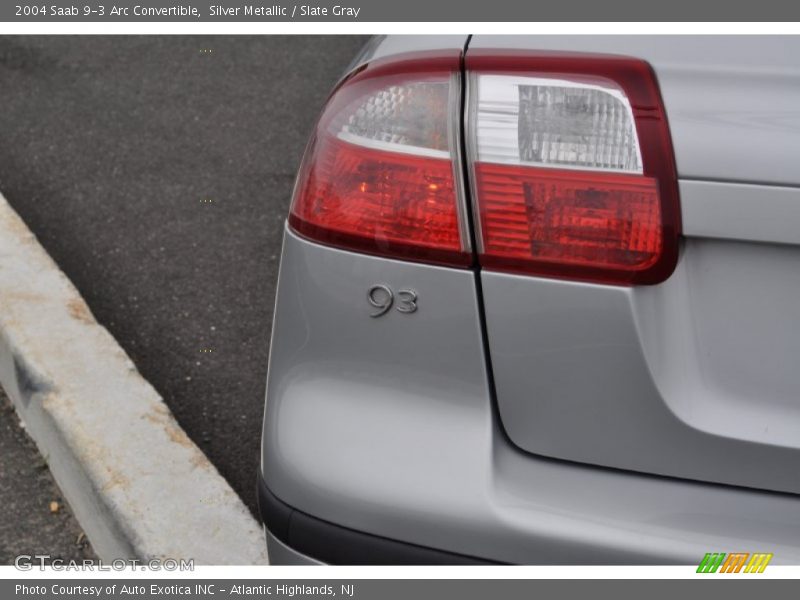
(157, 172)
(35, 520)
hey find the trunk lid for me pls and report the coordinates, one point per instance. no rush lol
(696, 377)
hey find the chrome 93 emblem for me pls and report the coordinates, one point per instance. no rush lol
(381, 297)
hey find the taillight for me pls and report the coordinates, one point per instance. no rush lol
(572, 167)
(380, 174)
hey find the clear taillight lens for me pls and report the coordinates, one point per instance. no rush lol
(572, 168)
(379, 174)
(555, 122)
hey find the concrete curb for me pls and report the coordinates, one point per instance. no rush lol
(138, 485)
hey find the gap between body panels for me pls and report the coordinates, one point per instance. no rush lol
(470, 213)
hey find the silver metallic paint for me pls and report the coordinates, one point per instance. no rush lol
(756, 213)
(386, 426)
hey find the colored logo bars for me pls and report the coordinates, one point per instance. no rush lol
(734, 563)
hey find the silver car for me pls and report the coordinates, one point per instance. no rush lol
(539, 303)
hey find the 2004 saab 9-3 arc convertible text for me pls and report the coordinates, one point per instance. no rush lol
(538, 303)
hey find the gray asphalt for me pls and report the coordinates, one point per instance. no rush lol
(157, 172)
(29, 524)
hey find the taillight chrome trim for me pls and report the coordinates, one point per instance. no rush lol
(458, 160)
(470, 146)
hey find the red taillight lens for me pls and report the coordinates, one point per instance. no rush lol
(379, 173)
(570, 158)
(384, 200)
(568, 217)
(572, 168)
